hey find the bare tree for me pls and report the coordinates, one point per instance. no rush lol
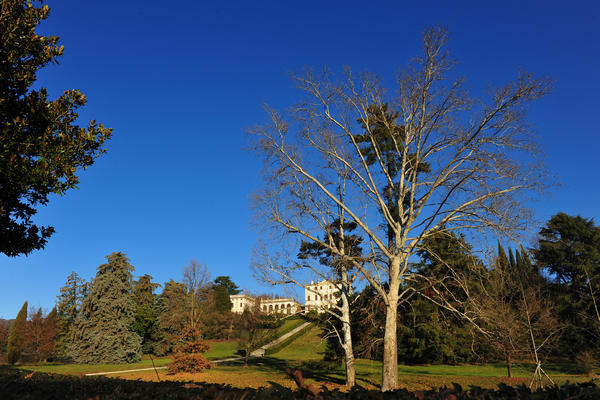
(513, 313)
(319, 262)
(424, 159)
(254, 327)
(543, 329)
(195, 278)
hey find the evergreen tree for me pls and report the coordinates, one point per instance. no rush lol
(145, 315)
(3, 336)
(569, 251)
(171, 317)
(14, 347)
(428, 333)
(222, 301)
(70, 298)
(69, 302)
(102, 333)
(223, 288)
(230, 287)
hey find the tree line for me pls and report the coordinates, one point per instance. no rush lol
(114, 318)
(520, 305)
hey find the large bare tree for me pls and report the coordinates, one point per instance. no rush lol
(195, 278)
(424, 158)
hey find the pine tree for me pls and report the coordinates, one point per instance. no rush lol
(102, 333)
(14, 346)
(230, 286)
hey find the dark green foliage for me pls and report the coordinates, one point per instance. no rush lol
(145, 317)
(222, 301)
(224, 287)
(41, 146)
(15, 386)
(171, 317)
(14, 346)
(384, 136)
(368, 316)
(351, 246)
(569, 252)
(230, 287)
(428, 333)
(102, 331)
(70, 298)
(69, 302)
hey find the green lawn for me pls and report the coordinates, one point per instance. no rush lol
(305, 353)
(308, 347)
(218, 350)
(222, 349)
(289, 324)
(76, 369)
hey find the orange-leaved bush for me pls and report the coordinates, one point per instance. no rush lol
(188, 353)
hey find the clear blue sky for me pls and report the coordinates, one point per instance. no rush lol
(180, 81)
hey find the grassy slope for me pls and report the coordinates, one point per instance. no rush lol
(308, 347)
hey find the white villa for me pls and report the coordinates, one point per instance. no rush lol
(241, 302)
(320, 295)
(286, 305)
(317, 296)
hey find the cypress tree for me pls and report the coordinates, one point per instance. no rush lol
(14, 346)
(102, 332)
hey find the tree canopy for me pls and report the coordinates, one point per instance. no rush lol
(41, 145)
(103, 329)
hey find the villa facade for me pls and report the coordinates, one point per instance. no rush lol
(285, 305)
(317, 296)
(320, 296)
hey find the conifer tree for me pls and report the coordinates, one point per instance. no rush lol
(3, 337)
(69, 302)
(40, 335)
(171, 317)
(145, 315)
(102, 333)
(14, 346)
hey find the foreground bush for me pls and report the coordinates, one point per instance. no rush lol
(16, 384)
(188, 353)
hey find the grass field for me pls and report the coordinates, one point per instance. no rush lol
(221, 349)
(305, 352)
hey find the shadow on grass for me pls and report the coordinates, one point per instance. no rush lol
(272, 365)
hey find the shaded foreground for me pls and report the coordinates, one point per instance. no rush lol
(19, 384)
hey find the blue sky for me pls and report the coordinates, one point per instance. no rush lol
(180, 82)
